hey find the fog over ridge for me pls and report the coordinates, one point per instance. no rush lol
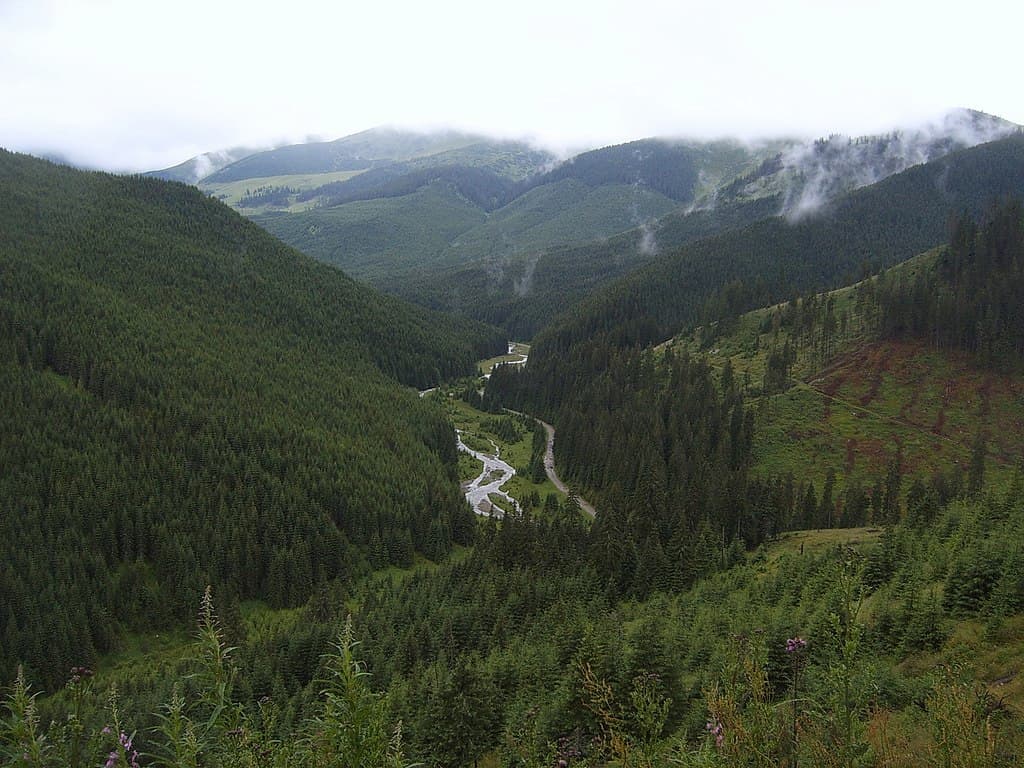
(809, 174)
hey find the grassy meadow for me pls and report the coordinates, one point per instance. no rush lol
(868, 403)
(231, 192)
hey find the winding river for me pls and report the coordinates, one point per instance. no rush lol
(521, 361)
(496, 473)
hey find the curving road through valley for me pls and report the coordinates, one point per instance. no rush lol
(549, 468)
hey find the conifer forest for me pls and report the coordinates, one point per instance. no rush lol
(430, 449)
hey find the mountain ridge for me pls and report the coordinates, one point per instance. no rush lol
(697, 188)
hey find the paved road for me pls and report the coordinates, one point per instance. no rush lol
(549, 467)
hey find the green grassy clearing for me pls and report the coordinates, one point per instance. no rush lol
(817, 540)
(477, 442)
(232, 192)
(747, 340)
(892, 401)
(868, 403)
(468, 467)
(142, 649)
(395, 575)
(520, 349)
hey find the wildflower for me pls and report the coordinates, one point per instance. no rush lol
(126, 743)
(795, 644)
(78, 674)
(715, 729)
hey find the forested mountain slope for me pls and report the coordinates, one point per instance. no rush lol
(550, 239)
(525, 292)
(187, 401)
(369, 165)
(625, 412)
(381, 240)
(650, 638)
(868, 386)
(594, 195)
(770, 260)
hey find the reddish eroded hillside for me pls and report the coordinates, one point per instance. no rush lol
(938, 393)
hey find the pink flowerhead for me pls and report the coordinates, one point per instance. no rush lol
(715, 729)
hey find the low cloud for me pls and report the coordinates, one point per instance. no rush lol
(814, 174)
(648, 243)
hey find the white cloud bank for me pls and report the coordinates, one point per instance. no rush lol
(133, 85)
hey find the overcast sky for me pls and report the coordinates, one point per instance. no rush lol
(134, 84)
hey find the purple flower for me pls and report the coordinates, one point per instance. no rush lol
(715, 729)
(795, 644)
(124, 741)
